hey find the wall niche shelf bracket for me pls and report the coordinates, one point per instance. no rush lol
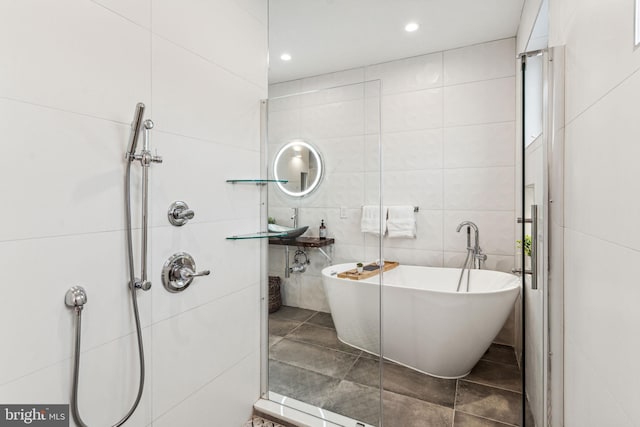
(256, 181)
(258, 235)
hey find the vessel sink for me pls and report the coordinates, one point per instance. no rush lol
(288, 232)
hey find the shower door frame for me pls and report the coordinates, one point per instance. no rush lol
(550, 228)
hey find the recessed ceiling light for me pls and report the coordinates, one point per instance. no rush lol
(285, 57)
(411, 27)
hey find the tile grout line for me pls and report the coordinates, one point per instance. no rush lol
(490, 386)
(488, 419)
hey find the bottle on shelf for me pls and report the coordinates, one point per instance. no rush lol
(323, 230)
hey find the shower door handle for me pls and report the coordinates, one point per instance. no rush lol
(534, 247)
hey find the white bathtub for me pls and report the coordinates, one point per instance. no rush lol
(427, 325)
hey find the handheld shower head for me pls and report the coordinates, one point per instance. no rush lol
(135, 130)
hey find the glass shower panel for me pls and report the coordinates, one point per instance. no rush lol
(449, 167)
(324, 340)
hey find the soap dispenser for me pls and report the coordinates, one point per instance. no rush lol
(323, 230)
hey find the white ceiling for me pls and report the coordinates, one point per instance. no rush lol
(330, 35)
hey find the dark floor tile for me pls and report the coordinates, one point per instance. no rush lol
(501, 354)
(355, 401)
(489, 402)
(281, 327)
(292, 313)
(403, 411)
(496, 375)
(318, 359)
(300, 384)
(321, 336)
(322, 319)
(405, 381)
(365, 371)
(466, 420)
(273, 339)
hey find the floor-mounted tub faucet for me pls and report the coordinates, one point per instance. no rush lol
(475, 258)
(478, 257)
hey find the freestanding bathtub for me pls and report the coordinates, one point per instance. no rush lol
(426, 324)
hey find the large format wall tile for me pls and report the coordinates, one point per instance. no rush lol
(193, 348)
(408, 75)
(84, 157)
(599, 298)
(491, 60)
(139, 11)
(225, 398)
(480, 146)
(108, 370)
(196, 98)
(95, 261)
(489, 189)
(412, 111)
(221, 31)
(64, 60)
(489, 101)
(602, 165)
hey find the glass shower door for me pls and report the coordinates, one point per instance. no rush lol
(324, 340)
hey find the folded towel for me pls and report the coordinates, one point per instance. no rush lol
(370, 222)
(402, 221)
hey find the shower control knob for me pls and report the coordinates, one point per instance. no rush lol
(179, 271)
(179, 213)
(187, 273)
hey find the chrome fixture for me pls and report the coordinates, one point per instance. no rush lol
(300, 266)
(76, 297)
(475, 258)
(294, 217)
(478, 257)
(534, 247)
(135, 130)
(179, 271)
(179, 213)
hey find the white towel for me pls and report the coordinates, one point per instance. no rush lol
(402, 221)
(370, 222)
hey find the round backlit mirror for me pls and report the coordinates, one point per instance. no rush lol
(299, 163)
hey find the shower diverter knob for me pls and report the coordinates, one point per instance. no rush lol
(179, 271)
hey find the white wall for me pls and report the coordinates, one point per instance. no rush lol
(601, 209)
(448, 146)
(71, 73)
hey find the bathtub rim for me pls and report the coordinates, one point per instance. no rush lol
(516, 280)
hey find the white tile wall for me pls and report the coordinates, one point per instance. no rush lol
(600, 190)
(487, 101)
(97, 65)
(71, 74)
(490, 61)
(216, 30)
(448, 138)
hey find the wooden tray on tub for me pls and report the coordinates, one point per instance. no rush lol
(370, 270)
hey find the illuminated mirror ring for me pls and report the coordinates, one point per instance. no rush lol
(299, 163)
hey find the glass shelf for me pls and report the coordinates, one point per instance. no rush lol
(259, 235)
(256, 181)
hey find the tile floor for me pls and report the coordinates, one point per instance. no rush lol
(308, 363)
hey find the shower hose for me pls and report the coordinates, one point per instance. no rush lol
(134, 300)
